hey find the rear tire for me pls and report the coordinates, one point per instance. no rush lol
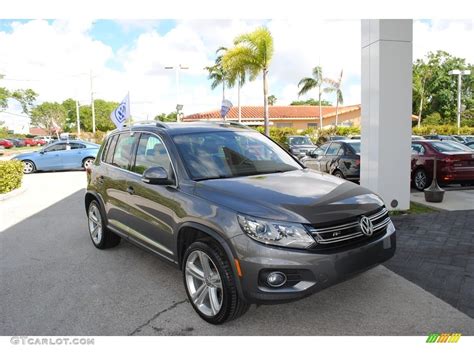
(28, 167)
(88, 162)
(217, 283)
(339, 174)
(101, 237)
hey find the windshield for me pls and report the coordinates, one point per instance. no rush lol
(214, 155)
(355, 146)
(300, 141)
(449, 146)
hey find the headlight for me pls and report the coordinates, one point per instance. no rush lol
(291, 235)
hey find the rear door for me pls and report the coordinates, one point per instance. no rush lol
(116, 179)
(330, 158)
(72, 156)
(154, 208)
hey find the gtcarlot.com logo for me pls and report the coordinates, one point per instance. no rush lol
(24, 340)
(443, 338)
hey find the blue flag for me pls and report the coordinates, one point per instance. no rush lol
(122, 113)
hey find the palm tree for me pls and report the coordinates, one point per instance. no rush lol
(335, 86)
(237, 75)
(309, 83)
(252, 53)
(217, 73)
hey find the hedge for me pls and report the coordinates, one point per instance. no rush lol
(11, 173)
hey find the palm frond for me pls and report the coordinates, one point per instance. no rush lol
(307, 84)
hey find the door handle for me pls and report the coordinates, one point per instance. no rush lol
(130, 190)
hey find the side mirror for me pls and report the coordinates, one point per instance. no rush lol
(156, 175)
(41, 151)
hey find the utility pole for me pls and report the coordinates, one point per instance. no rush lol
(92, 104)
(177, 68)
(78, 120)
(459, 73)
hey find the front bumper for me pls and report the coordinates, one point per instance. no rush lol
(317, 270)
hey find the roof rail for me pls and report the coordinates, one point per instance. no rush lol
(229, 123)
(156, 123)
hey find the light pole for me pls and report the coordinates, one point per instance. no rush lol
(92, 104)
(177, 68)
(78, 120)
(459, 73)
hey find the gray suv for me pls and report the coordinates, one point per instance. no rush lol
(241, 217)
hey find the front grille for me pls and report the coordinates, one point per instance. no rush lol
(352, 229)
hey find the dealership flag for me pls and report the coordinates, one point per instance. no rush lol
(121, 113)
(225, 107)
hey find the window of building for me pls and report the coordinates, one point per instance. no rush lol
(313, 125)
(283, 124)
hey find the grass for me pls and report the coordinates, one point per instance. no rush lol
(415, 208)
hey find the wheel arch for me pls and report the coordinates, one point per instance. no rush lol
(190, 232)
(93, 196)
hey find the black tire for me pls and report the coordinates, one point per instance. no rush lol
(421, 180)
(338, 173)
(28, 167)
(108, 239)
(232, 305)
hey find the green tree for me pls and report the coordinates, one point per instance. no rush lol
(252, 53)
(49, 115)
(335, 86)
(103, 109)
(71, 119)
(310, 102)
(316, 80)
(439, 92)
(163, 117)
(272, 99)
(26, 98)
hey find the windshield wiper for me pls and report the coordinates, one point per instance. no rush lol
(213, 177)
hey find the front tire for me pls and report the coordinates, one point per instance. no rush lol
(421, 180)
(101, 237)
(210, 284)
(339, 174)
(28, 167)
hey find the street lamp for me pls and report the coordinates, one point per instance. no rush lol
(177, 68)
(459, 73)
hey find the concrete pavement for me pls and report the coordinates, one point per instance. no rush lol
(54, 282)
(454, 200)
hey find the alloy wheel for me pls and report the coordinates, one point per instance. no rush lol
(95, 224)
(420, 180)
(204, 283)
(28, 167)
(88, 163)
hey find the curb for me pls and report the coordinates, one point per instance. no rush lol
(13, 193)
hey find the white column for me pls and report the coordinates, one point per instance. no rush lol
(386, 109)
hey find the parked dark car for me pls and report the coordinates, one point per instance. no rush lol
(455, 163)
(244, 226)
(17, 142)
(441, 137)
(6, 143)
(464, 138)
(60, 156)
(339, 158)
(299, 145)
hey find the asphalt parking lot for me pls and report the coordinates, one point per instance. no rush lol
(54, 282)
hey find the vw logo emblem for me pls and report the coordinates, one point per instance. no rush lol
(366, 226)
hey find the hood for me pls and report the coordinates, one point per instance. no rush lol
(303, 196)
(28, 155)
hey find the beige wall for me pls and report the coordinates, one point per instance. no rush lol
(353, 116)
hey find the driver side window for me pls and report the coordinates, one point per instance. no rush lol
(56, 147)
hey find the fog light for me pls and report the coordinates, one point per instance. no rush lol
(276, 279)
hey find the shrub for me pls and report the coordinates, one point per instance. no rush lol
(11, 173)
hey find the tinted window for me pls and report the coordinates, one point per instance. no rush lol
(322, 149)
(109, 149)
(123, 150)
(55, 147)
(333, 149)
(151, 152)
(355, 146)
(77, 146)
(213, 155)
(417, 149)
(450, 147)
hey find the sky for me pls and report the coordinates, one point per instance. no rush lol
(56, 58)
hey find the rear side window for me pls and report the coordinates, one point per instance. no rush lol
(77, 146)
(123, 150)
(109, 149)
(333, 149)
